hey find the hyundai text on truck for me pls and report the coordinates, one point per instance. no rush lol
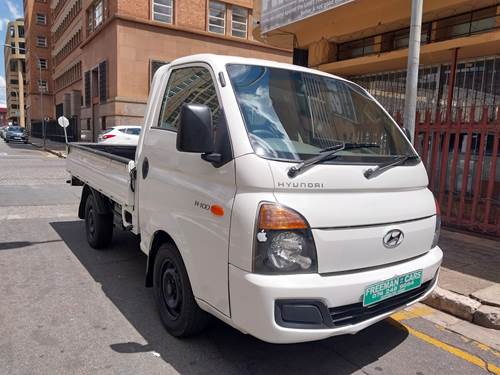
(282, 200)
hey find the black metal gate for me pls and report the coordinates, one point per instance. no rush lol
(54, 131)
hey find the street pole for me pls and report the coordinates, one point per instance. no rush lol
(412, 68)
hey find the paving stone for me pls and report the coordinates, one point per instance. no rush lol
(453, 303)
(487, 316)
(488, 296)
(461, 283)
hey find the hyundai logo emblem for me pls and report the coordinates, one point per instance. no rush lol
(393, 238)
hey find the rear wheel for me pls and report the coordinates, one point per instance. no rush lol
(178, 309)
(99, 227)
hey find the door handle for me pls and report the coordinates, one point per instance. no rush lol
(145, 168)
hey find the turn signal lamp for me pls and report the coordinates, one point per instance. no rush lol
(274, 217)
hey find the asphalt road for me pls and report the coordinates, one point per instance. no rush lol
(68, 309)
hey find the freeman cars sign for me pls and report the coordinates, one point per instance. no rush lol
(278, 13)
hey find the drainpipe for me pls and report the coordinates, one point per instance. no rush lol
(412, 68)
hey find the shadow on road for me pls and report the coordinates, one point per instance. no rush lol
(220, 349)
(20, 244)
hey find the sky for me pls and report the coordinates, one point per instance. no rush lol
(9, 10)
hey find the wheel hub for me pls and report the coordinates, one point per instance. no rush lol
(172, 289)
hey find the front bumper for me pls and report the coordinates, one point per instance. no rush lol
(16, 138)
(254, 296)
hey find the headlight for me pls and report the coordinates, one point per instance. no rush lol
(437, 229)
(283, 242)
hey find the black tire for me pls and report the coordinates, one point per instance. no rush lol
(179, 312)
(99, 227)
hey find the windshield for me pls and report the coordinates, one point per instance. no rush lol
(293, 115)
(134, 131)
(15, 129)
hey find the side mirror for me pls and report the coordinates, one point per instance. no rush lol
(196, 131)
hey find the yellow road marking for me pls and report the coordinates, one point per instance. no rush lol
(397, 319)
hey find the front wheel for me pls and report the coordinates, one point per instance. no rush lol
(179, 312)
(99, 227)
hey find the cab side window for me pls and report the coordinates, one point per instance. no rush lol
(187, 85)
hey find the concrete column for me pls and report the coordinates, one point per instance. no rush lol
(20, 99)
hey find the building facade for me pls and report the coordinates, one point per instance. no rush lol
(458, 95)
(460, 39)
(103, 53)
(15, 68)
(40, 101)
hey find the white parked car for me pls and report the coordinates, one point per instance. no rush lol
(120, 135)
(283, 200)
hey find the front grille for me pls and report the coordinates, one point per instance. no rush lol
(356, 313)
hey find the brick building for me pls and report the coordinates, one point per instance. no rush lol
(103, 53)
(15, 71)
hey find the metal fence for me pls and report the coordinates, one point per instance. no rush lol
(461, 157)
(476, 84)
(54, 132)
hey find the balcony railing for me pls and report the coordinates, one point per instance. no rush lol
(458, 26)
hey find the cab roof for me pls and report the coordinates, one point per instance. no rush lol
(220, 61)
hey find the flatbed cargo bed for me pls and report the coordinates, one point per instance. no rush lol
(104, 168)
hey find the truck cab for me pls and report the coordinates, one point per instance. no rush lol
(282, 200)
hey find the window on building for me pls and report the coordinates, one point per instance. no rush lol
(96, 14)
(217, 17)
(163, 10)
(43, 64)
(14, 82)
(41, 41)
(41, 19)
(187, 85)
(239, 22)
(42, 85)
(20, 31)
(13, 66)
(13, 94)
(22, 47)
(12, 31)
(154, 66)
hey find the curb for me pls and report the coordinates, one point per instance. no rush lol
(464, 308)
(54, 152)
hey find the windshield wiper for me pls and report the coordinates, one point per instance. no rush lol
(325, 154)
(377, 171)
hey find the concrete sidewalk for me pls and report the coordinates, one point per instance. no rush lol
(469, 283)
(56, 148)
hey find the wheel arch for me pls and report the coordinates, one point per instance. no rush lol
(102, 202)
(159, 238)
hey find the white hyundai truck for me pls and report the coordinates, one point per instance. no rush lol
(282, 200)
